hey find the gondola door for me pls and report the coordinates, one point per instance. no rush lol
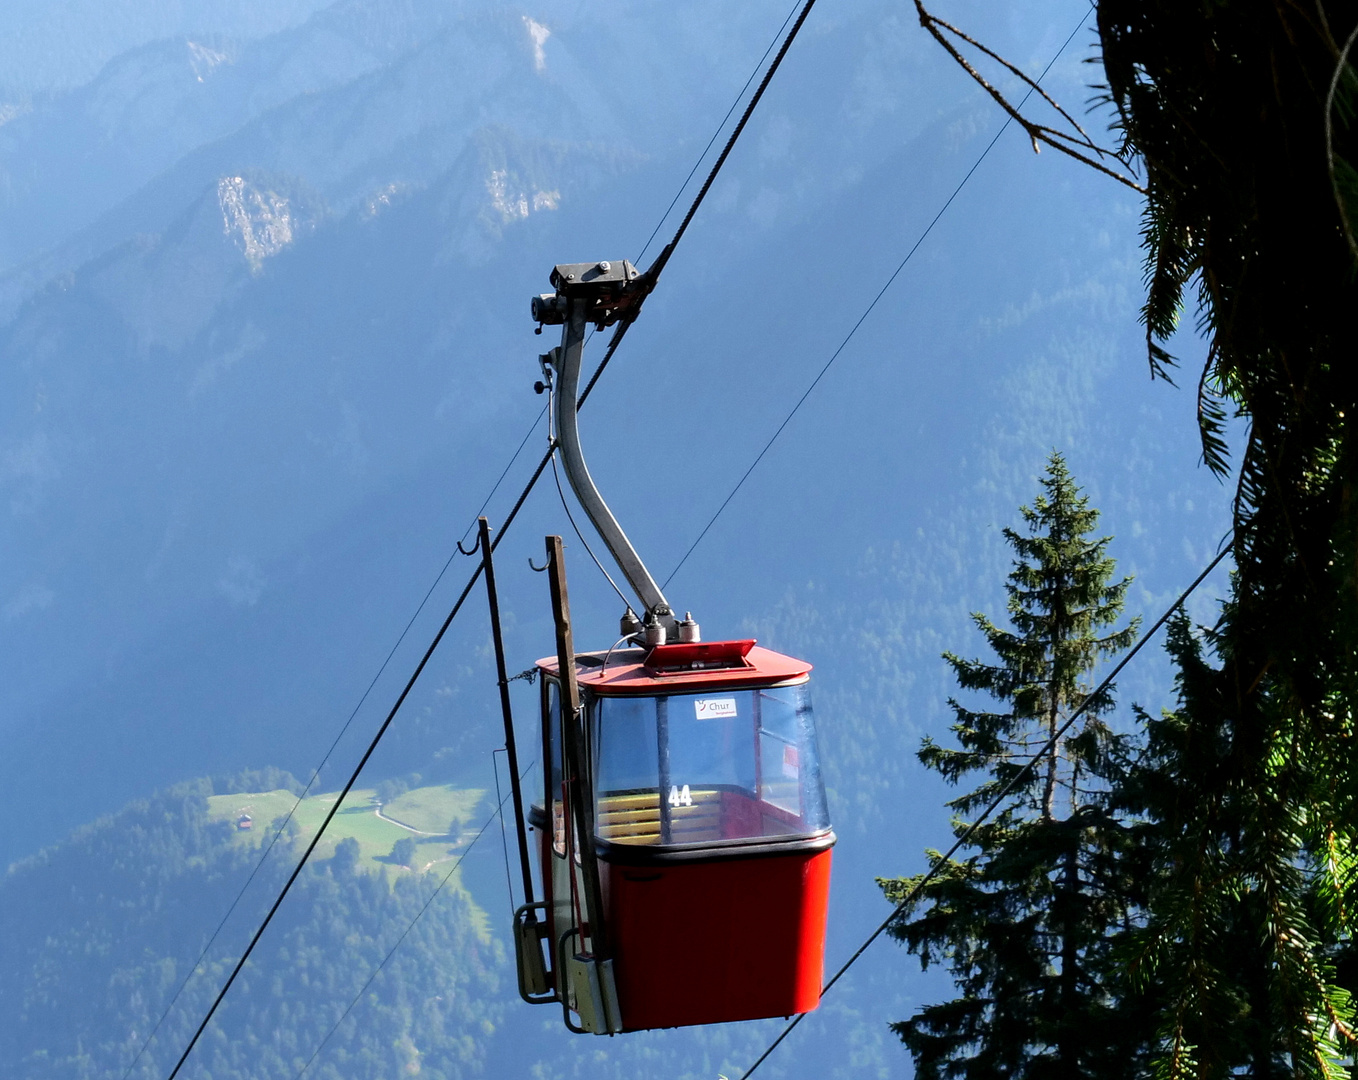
(580, 958)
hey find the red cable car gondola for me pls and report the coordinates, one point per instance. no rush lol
(683, 839)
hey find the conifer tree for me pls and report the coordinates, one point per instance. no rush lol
(1246, 976)
(1240, 118)
(1024, 921)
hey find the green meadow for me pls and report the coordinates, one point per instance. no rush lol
(438, 820)
(439, 810)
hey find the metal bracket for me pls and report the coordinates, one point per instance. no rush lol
(609, 290)
(536, 983)
(600, 293)
(564, 995)
(545, 365)
(590, 990)
(596, 994)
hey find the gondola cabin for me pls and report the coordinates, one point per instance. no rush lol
(682, 837)
(688, 864)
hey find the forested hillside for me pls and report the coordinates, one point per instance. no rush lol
(113, 922)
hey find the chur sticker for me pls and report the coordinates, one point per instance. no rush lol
(714, 708)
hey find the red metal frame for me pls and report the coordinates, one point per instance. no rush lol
(625, 674)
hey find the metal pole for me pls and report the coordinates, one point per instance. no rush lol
(758, 711)
(662, 746)
(575, 776)
(511, 752)
(566, 360)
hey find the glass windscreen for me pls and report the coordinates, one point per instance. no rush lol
(702, 768)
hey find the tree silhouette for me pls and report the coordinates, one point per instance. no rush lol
(403, 851)
(1024, 922)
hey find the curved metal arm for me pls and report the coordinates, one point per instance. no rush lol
(566, 363)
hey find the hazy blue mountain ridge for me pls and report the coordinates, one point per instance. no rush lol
(51, 46)
(329, 108)
(366, 96)
(249, 410)
(79, 153)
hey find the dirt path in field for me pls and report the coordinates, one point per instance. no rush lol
(401, 824)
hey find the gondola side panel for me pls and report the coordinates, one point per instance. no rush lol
(714, 942)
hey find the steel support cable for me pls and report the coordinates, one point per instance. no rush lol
(316, 772)
(668, 250)
(653, 274)
(353, 778)
(1048, 747)
(498, 812)
(866, 312)
(741, 94)
(504, 835)
(273, 840)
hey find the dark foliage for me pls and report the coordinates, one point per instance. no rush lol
(1226, 106)
(1025, 923)
(1243, 973)
(403, 851)
(266, 779)
(113, 919)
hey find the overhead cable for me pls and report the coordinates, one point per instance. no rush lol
(315, 773)
(652, 276)
(1048, 747)
(773, 41)
(498, 812)
(866, 312)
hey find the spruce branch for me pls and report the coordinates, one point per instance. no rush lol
(1074, 146)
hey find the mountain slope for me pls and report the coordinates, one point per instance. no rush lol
(114, 920)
